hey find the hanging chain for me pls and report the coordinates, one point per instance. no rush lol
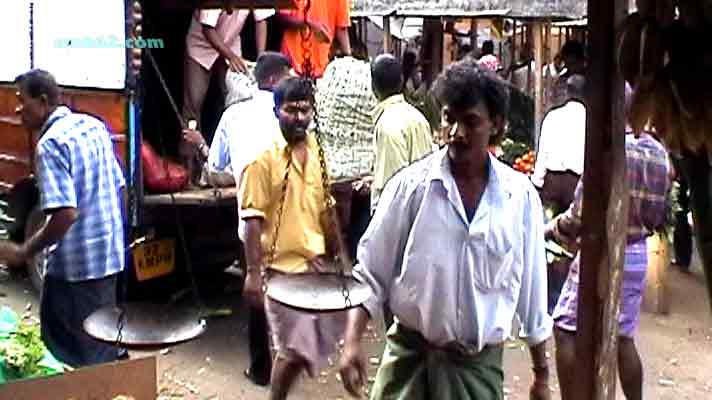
(329, 205)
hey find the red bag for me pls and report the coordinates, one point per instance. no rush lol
(159, 174)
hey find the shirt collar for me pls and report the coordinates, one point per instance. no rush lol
(59, 112)
(381, 106)
(495, 184)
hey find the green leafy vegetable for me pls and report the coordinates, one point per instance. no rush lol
(24, 350)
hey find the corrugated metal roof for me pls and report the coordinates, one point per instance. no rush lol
(555, 9)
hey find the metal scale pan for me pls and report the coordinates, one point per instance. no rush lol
(144, 325)
(317, 291)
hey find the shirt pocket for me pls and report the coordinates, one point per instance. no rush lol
(494, 272)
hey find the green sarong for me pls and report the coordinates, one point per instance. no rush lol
(412, 369)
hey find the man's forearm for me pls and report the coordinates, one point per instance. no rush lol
(292, 22)
(253, 245)
(217, 42)
(342, 36)
(221, 179)
(52, 232)
(357, 320)
(261, 36)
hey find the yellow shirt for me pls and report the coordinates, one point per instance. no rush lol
(301, 236)
(402, 137)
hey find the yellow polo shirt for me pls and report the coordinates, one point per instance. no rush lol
(301, 236)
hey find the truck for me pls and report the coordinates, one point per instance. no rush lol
(98, 52)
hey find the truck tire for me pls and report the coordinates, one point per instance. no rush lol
(37, 264)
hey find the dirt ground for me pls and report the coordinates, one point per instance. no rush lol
(676, 350)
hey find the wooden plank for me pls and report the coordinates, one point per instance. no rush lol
(605, 208)
(182, 4)
(387, 38)
(432, 49)
(135, 378)
(539, 50)
(192, 197)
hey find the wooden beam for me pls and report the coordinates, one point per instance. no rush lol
(539, 59)
(432, 49)
(605, 208)
(387, 38)
(473, 36)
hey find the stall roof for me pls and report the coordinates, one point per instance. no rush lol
(550, 9)
(228, 3)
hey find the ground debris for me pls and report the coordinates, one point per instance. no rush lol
(666, 382)
(374, 361)
(165, 351)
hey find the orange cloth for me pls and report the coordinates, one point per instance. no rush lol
(335, 14)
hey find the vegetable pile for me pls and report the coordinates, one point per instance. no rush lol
(24, 350)
(518, 155)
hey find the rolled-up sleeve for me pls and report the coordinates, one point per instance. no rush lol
(55, 176)
(536, 324)
(380, 251)
(254, 192)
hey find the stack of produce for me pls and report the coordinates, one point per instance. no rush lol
(518, 155)
(667, 57)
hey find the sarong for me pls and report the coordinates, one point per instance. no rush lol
(311, 336)
(63, 308)
(636, 265)
(412, 369)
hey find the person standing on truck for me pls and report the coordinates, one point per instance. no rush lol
(81, 184)
(285, 184)
(212, 46)
(327, 20)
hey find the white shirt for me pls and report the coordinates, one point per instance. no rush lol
(562, 141)
(451, 279)
(250, 126)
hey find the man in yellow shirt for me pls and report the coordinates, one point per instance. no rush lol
(303, 340)
(402, 133)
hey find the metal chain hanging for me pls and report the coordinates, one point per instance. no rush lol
(329, 205)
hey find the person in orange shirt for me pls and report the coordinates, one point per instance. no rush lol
(327, 20)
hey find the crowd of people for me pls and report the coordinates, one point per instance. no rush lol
(452, 243)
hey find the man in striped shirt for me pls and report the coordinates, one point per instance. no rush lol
(648, 176)
(80, 183)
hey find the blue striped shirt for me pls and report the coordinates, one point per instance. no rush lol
(76, 168)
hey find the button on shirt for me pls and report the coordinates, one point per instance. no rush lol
(301, 236)
(450, 279)
(228, 27)
(77, 168)
(402, 136)
(562, 142)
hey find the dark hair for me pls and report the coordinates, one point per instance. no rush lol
(487, 47)
(464, 84)
(574, 49)
(387, 75)
(409, 63)
(293, 89)
(38, 82)
(270, 64)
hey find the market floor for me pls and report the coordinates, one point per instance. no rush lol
(676, 350)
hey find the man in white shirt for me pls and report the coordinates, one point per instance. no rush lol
(456, 249)
(559, 162)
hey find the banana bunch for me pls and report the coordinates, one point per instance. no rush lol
(665, 53)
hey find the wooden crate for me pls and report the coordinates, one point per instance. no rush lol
(655, 298)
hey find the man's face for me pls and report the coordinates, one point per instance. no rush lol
(468, 130)
(33, 111)
(294, 119)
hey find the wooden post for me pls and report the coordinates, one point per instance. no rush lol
(538, 28)
(473, 36)
(387, 38)
(605, 208)
(432, 49)
(514, 56)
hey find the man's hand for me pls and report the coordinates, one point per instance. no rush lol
(363, 186)
(540, 389)
(193, 137)
(352, 368)
(11, 253)
(320, 31)
(237, 64)
(319, 264)
(252, 289)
